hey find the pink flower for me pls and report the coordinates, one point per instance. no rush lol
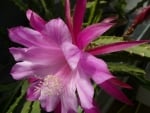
(58, 67)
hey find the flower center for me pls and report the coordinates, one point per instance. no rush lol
(52, 85)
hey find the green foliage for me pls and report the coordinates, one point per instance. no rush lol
(31, 107)
(10, 96)
(124, 69)
(36, 107)
(26, 107)
(103, 40)
(80, 110)
(93, 18)
(7, 87)
(16, 100)
(23, 6)
(142, 50)
(46, 8)
(120, 7)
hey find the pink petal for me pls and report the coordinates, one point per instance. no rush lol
(72, 54)
(115, 47)
(28, 69)
(32, 79)
(68, 99)
(27, 37)
(119, 83)
(93, 65)
(18, 53)
(96, 68)
(35, 20)
(92, 32)
(69, 105)
(21, 70)
(49, 103)
(78, 16)
(69, 20)
(115, 92)
(58, 108)
(38, 55)
(57, 31)
(41, 61)
(101, 77)
(109, 19)
(85, 90)
(92, 110)
(64, 72)
(33, 92)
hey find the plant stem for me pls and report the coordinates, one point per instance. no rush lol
(47, 12)
(92, 12)
(20, 4)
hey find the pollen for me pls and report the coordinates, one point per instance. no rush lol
(52, 85)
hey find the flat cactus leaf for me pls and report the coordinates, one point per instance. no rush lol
(131, 71)
(26, 107)
(36, 107)
(18, 99)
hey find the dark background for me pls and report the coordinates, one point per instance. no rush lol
(10, 16)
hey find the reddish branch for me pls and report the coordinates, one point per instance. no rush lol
(143, 15)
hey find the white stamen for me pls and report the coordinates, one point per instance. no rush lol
(52, 85)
